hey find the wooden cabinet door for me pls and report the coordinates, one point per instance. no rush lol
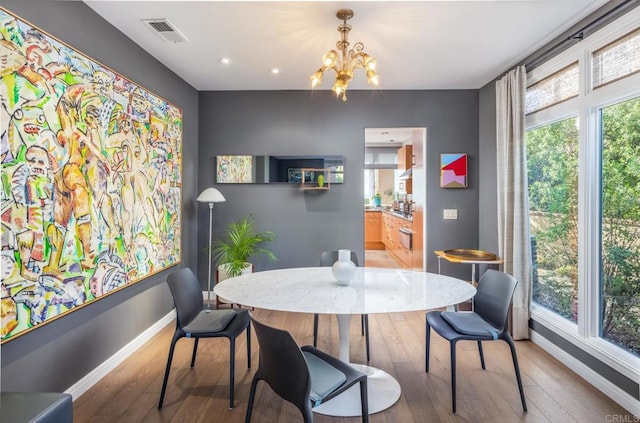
(405, 157)
(372, 227)
(395, 241)
(386, 230)
(402, 162)
(391, 239)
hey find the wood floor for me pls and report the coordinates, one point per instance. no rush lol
(554, 394)
(379, 258)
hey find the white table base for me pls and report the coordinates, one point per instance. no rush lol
(383, 391)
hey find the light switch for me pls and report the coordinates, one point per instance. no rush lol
(450, 214)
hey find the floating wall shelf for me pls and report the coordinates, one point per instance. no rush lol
(315, 179)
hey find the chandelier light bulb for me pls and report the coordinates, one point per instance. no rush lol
(329, 59)
(372, 78)
(371, 64)
(350, 59)
(316, 79)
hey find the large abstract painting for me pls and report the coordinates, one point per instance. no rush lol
(91, 179)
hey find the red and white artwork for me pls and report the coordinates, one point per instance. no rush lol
(453, 170)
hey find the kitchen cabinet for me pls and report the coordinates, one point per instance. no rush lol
(391, 226)
(373, 230)
(387, 231)
(405, 162)
(405, 157)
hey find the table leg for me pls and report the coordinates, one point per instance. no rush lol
(473, 282)
(383, 389)
(344, 326)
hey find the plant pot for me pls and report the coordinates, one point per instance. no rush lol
(222, 275)
(222, 271)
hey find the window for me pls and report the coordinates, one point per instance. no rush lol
(583, 154)
(561, 86)
(380, 164)
(552, 160)
(620, 224)
(381, 157)
(379, 181)
(617, 60)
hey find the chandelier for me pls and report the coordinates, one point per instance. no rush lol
(350, 60)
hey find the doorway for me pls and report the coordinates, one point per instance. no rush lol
(394, 196)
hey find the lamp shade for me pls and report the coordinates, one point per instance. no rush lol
(210, 195)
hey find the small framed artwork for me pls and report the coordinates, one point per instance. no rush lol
(453, 170)
(234, 169)
(294, 176)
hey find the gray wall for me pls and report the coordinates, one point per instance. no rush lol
(303, 122)
(58, 354)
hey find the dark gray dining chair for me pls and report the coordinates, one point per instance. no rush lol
(306, 377)
(327, 260)
(194, 321)
(488, 322)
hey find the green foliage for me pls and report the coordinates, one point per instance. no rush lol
(241, 242)
(552, 158)
(552, 155)
(621, 224)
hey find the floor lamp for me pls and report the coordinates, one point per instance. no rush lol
(210, 195)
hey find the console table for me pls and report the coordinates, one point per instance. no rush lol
(466, 256)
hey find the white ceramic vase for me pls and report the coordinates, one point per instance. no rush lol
(344, 270)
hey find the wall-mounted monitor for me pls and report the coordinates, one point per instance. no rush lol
(246, 169)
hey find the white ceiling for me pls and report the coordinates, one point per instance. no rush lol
(445, 44)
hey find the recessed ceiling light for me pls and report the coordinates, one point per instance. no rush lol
(275, 71)
(224, 60)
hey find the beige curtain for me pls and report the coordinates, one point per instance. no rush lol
(513, 200)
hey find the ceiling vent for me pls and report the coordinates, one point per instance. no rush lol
(165, 30)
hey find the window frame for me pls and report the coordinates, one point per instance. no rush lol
(585, 334)
(637, 30)
(559, 101)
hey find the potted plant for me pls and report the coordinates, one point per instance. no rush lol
(377, 199)
(241, 242)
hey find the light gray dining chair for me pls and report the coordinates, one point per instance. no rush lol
(327, 260)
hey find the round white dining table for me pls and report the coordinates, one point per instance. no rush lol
(373, 290)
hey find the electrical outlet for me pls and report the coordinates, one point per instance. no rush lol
(450, 214)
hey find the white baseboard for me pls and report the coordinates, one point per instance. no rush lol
(625, 400)
(93, 377)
